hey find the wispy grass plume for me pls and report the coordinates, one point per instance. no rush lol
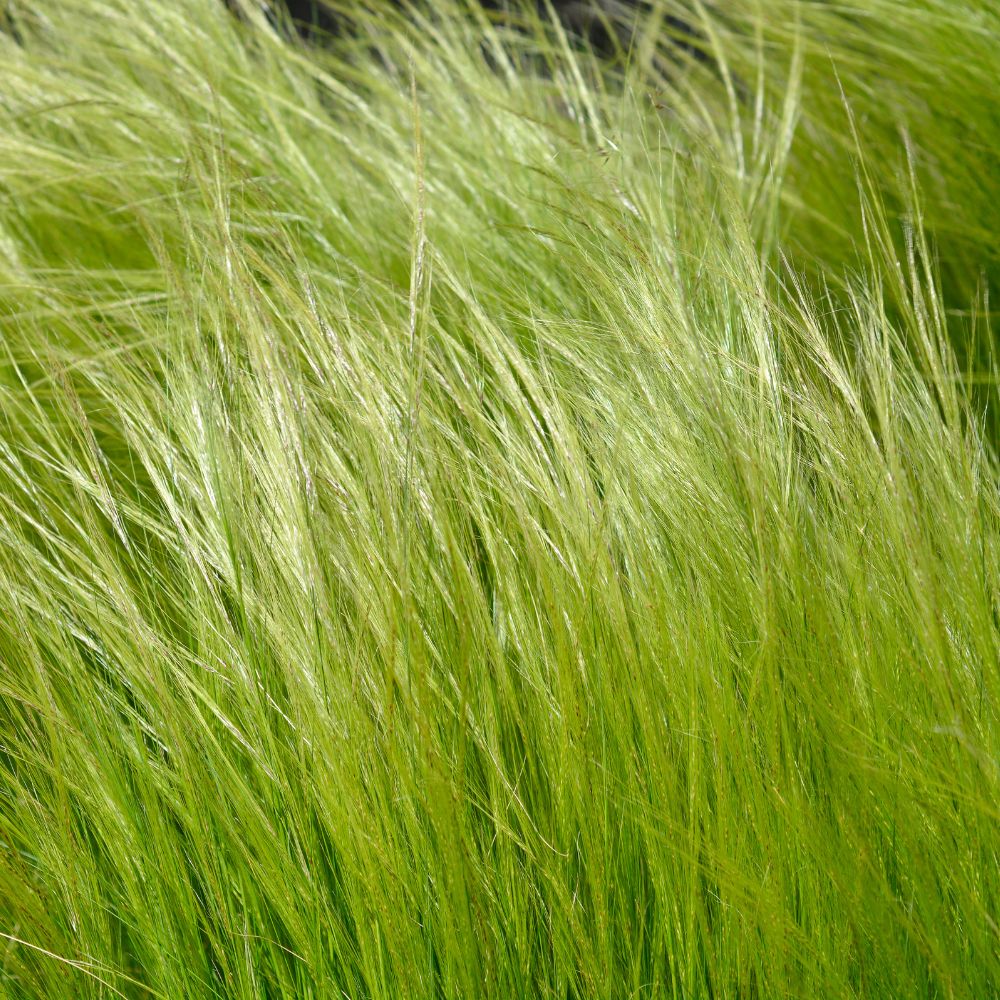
(484, 519)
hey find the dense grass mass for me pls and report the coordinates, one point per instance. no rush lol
(484, 519)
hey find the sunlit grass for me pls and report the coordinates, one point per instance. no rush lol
(480, 520)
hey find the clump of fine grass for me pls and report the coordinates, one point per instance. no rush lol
(477, 519)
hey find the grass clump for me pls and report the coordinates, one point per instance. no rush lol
(482, 520)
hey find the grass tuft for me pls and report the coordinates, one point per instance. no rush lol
(483, 518)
